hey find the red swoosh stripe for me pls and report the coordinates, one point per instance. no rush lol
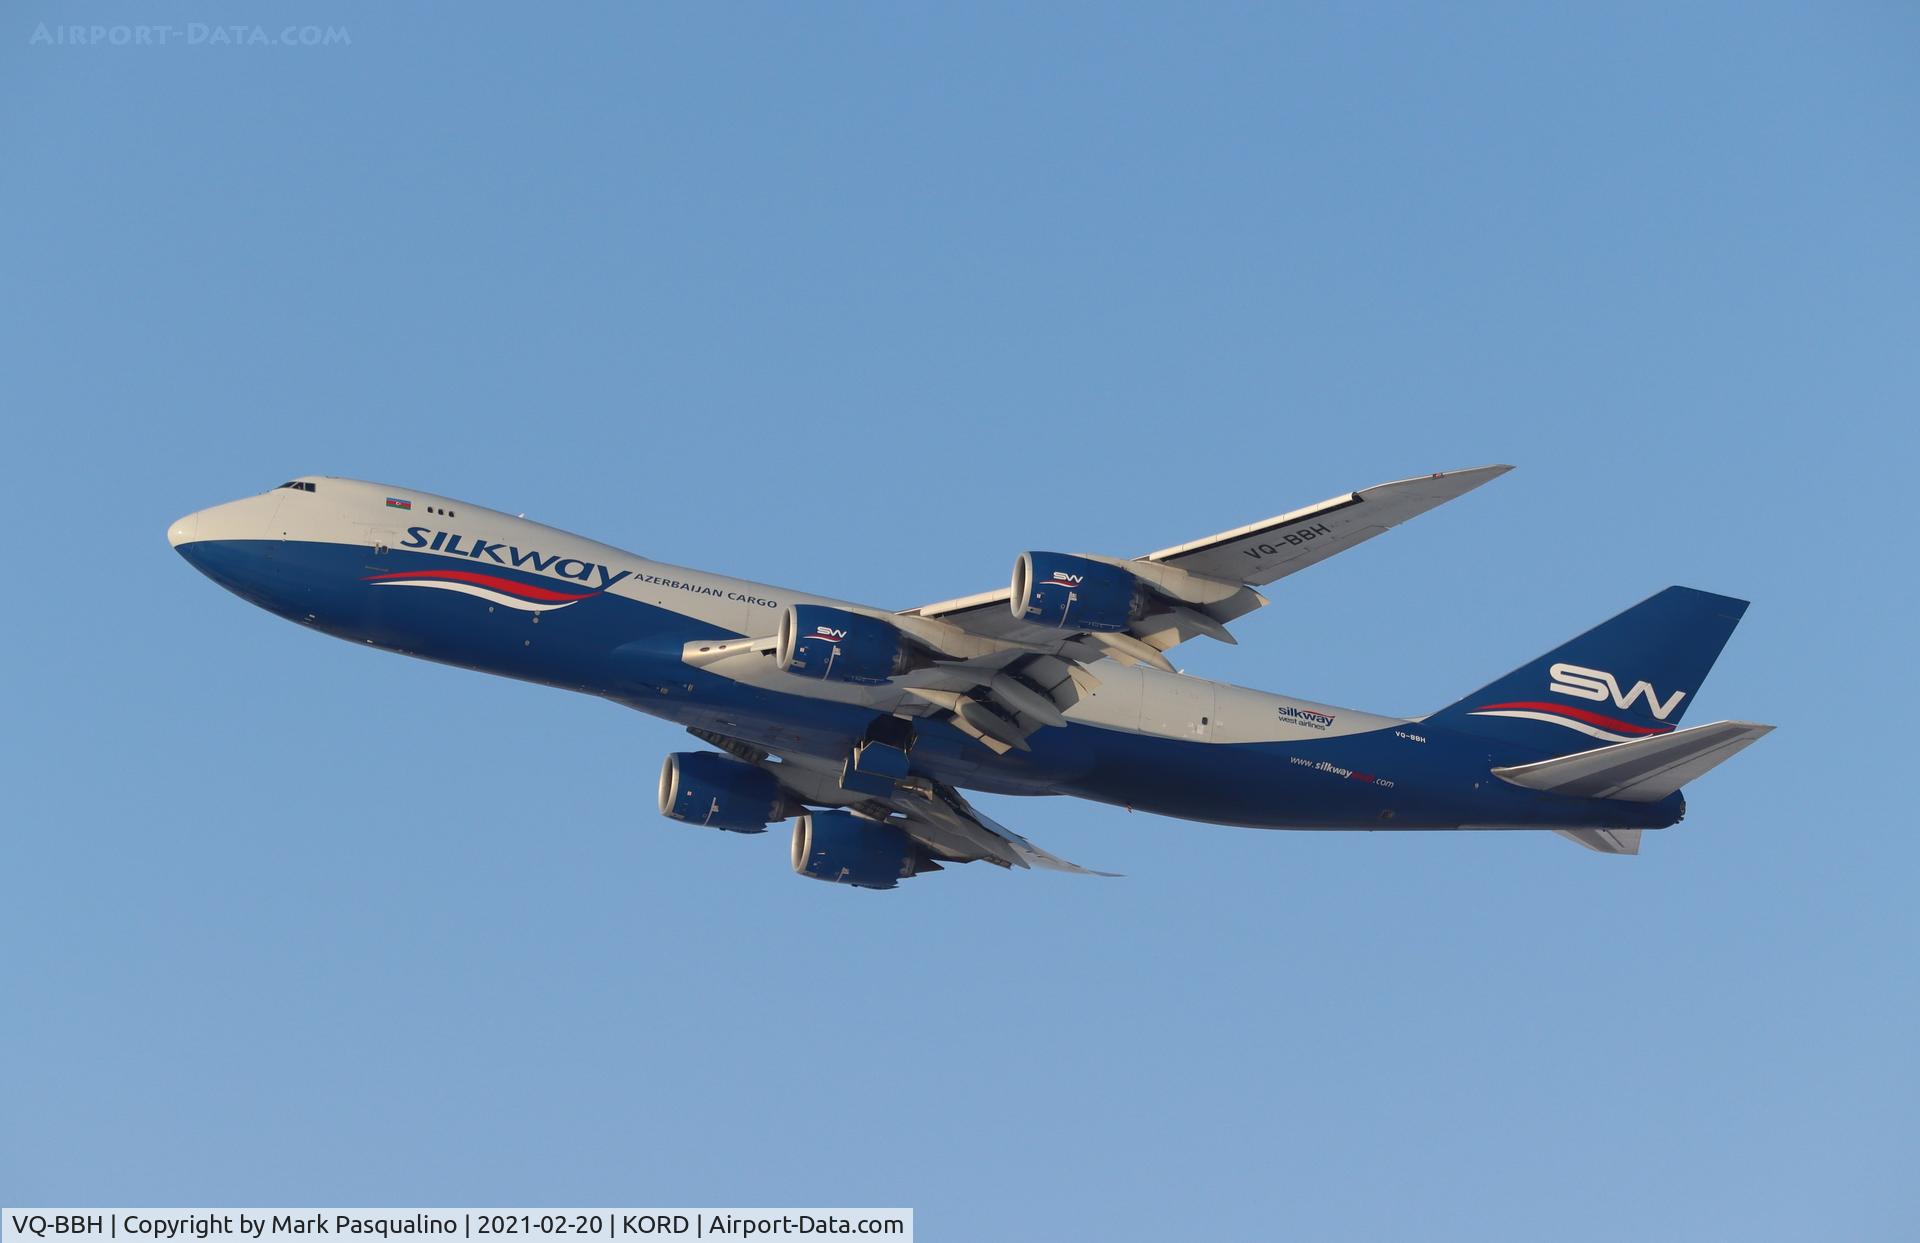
(524, 590)
(1579, 714)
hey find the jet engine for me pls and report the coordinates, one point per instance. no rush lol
(1072, 593)
(837, 646)
(842, 848)
(719, 792)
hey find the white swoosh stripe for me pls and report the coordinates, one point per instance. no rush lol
(469, 589)
(1582, 726)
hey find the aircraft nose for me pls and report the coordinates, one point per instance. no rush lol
(183, 529)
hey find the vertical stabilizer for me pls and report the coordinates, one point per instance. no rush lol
(1628, 678)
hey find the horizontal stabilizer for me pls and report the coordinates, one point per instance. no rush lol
(1606, 841)
(1645, 770)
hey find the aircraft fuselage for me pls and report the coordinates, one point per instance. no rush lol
(443, 580)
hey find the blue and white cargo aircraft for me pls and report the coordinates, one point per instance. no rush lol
(863, 725)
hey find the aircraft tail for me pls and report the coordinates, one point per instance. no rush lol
(1645, 770)
(1627, 680)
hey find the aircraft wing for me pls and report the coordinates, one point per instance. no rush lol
(999, 678)
(930, 812)
(1264, 551)
(938, 818)
(1197, 587)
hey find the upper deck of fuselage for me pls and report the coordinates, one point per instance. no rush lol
(333, 509)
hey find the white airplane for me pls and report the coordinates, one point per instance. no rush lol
(863, 724)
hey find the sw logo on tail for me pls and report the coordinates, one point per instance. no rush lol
(1600, 686)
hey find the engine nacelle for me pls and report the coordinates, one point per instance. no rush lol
(842, 848)
(1073, 593)
(718, 792)
(837, 646)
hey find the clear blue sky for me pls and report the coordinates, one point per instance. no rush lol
(867, 300)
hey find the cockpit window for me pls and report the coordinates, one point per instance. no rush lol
(296, 485)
